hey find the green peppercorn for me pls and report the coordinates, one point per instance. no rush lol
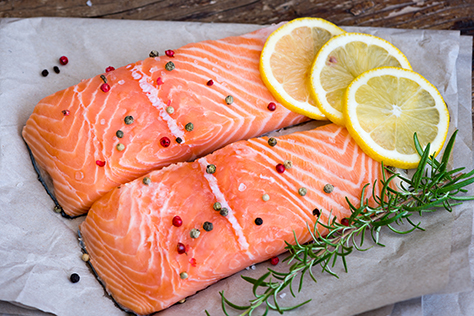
(189, 127)
(266, 197)
(169, 66)
(182, 301)
(211, 169)
(328, 188)
(302, 191)
(207, 226)
(224, 211)
(229, 99)
(288, 164)
(170, 110)
(128, 119)
(120, 147)
(119, 134)
(146, 181)
(58, 209)
(217, 206)
(195, 233)
(183, 275)
(154, 53)
(272, 141)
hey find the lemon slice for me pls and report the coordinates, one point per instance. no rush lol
(386, 106)
(286, 61)
(343, 58)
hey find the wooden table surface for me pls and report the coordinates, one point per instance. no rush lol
(418, 14)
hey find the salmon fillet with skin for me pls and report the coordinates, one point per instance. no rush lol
(132, 242)
(73, 147)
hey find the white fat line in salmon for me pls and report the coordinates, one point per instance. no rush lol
(152, 94)
(221, 199)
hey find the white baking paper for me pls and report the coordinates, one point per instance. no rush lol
(40, 250)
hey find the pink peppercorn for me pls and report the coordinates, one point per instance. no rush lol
(63, 60)
(271, 106)
(280, 168)
(165, 141)
(169, 53)
(274, 261)
(109, 69)
(210, 82)
(181, 248)
(65, 112)
(100, 163)
(177, 221)
(105, 87)
(345, 222)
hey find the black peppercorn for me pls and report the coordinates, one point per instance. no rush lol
(207, 226)
(258, 221)
(45, 73)
(56, 69)
(74, 278)
(316, 212)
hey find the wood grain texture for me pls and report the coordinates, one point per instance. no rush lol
(416, 14)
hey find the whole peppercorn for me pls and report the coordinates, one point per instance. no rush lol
(63, 60)
(316, 212)
(258, 221)
(100, 163)
(146, 181)
(195, 233)
(274, 261)
(272, 141)
(229, 99)
(189, 127)
(181, 248)
(128, 119)
(345, 221)
(211, 169)
(302, 191)
(120, 147)
(45, 72)
(224, 211)
(177, 221)
(74, 278)
(170, 66)
(271, 106)
(109, 69)
(217, 206)
(210, 82)
(85, 257)
(165, 141)
(170, 110)
(56, 69)
(154, 53)
(183, 275)
(207, 226)
(58, 208)
(328, 188)
(280, 168)
(265, 197)
(65, 112)
(104, 78)
(119, 134)
(105, 87)
(288, 164)
(179, 140)
(169, 53)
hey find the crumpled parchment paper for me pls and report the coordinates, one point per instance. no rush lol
(39, 248)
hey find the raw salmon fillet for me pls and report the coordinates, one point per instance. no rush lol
(132, 242)
(72, 147)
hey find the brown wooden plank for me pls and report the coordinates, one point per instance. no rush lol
(420, 14)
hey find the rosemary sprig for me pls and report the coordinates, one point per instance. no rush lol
(431, 187)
